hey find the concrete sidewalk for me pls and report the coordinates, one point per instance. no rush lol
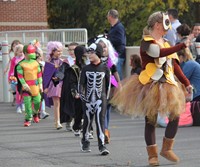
(42, 146)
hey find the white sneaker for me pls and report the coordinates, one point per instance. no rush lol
(103, 150)
(68, 126)
(18, 110)
(43, 114)
(77, 133)
(91, 136)
(23, 107)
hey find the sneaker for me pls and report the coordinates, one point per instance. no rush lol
(85, 146)
(23, 107)
(43, 114)
(68, 126)
(91, 135)
(103, 150)
(77, 133)
(58, 125)
(27, 123)
(18, 110)
(36, 119)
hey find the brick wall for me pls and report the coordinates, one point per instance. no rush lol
(23, 15)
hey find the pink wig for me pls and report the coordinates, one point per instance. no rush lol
(52, 46)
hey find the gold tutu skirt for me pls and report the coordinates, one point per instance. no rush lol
(134, 99)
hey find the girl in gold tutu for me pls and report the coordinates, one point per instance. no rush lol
(160, 87)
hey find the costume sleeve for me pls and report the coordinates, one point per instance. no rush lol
(180, 75)
(113, 69)
(82, 85)
(20, 74)
(12, 67)
(48, 73)
(154, 50)
(74, 81)
(167, 51)
(39, 75)
(108, 84)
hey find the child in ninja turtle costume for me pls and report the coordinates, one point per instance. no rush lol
(30, 81)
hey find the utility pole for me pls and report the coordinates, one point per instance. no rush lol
(5, 59)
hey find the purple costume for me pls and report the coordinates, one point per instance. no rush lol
(113, 80)
(54, 87)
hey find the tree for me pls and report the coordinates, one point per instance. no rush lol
(91, 14)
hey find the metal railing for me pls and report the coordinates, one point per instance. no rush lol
(65, 36)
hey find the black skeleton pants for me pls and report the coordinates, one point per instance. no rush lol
(78, 115)
(96, 109)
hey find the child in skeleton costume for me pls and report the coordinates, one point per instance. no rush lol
(156, 89)
(110, 58)
(94, 87)
(30, 77)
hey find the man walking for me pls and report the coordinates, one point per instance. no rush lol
(117, 36)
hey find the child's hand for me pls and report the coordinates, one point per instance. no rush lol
(77, 96)
(188, 40)
(189, 89)
(46, 90)
(41, 88)
(119, 85)
(66, 61)
(26, 87)
(55, 78)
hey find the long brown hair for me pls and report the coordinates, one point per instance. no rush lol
(14, 42)
(136, 59)
(186, 54)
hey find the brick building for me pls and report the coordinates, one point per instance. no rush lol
(23, 15)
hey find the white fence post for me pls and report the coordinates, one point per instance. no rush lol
(5, 59)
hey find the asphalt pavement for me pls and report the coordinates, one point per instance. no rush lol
(41, 145)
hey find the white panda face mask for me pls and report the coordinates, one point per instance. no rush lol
(166, 22)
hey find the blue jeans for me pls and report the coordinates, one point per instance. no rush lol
(120, 65)
(107, 116)
(42, 108)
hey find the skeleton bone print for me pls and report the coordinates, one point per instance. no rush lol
(94, 85)
(93, 88)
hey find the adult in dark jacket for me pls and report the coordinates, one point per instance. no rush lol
(117, 36)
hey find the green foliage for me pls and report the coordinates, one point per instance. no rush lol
(91, 14)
